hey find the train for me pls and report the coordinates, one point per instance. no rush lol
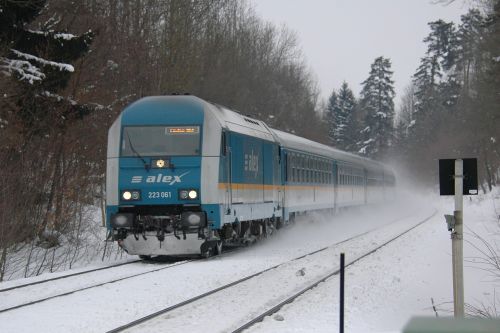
(187, 176)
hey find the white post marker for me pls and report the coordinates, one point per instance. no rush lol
(457, 243)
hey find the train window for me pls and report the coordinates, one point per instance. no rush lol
(290, 168)
(161, 141)
(223, 144)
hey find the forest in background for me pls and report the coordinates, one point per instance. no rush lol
(54, 117)
(68, 68)
(450, 109)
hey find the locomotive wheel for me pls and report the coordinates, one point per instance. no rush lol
(269, 228)
(218, 248)
(213, 248)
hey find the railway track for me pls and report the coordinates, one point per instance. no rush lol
(67, 276)
(121, 278)
(40, 300)
(293, 297)
(200, 298)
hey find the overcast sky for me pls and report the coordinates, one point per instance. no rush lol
(341, 38)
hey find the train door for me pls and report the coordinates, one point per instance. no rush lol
(277, 195)
(365, 185)
(285, 176)
(226, 157)
(271, 172)
(335, 184)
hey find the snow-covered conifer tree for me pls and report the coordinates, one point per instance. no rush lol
(377, 102)
(440, 57)
(37, 59)
(341, 126)
(331, 118)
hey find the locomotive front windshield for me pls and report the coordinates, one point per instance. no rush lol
(160, 141)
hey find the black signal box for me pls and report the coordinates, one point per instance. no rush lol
(447, 176)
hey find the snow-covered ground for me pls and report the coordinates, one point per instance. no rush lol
(80, 249)
(385, 290)
(382, 291)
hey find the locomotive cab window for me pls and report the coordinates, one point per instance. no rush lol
(160, 141)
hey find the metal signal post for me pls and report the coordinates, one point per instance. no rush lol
(458, 177)
(457, 243)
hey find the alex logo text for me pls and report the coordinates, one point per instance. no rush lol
(160, 178)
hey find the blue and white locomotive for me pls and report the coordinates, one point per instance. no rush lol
(187, 176)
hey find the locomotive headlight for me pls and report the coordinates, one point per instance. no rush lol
(193, 194)
(183, 194)
(189, 194)
(131, 195)
(160, 163)
(194, 219)
(122, 220)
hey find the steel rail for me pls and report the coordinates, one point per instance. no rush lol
(67, 276)
(226, 286)
(290, 299)
(95, 286)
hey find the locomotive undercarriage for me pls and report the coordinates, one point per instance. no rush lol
(162, 225)
(156, 226)
(158, 230)
(247, 232)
